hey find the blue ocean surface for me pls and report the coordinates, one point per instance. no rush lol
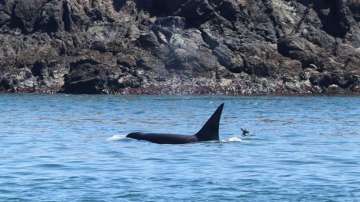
(73, 148)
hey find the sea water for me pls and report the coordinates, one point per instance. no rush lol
(73, 148)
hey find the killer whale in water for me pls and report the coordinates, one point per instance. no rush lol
(210, 131)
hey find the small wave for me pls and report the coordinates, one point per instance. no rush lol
(116, 138)
(232, 139)
(50, 165)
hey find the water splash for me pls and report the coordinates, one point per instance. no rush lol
(232, 139)
(116, 138)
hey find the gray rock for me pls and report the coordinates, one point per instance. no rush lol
(180, 47)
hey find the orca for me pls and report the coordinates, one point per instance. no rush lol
(209, 132)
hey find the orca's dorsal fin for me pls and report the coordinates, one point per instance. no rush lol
(210, 131)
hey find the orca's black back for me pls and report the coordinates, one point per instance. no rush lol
(210, 131)
(163, 138)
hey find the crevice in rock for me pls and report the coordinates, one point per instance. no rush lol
(355, 9)
(118, 4)
(15, 21)
(51, 26)
(209, 40)
(5, 84)
(270, 13)
(332, 16)
(297, 28)
(37, 68)
(160, 7)
(66, 17)
(81, 62)
(334, 22)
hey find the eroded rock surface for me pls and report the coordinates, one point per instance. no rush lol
(234, 47)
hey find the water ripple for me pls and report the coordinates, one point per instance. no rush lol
(74, 148)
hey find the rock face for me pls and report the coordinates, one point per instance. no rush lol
(233, 47)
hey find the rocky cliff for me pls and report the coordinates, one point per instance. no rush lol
(235, 47)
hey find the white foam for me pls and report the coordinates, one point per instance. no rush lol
(233, 139)
(117, 138)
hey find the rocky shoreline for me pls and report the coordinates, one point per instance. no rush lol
(180, 47)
